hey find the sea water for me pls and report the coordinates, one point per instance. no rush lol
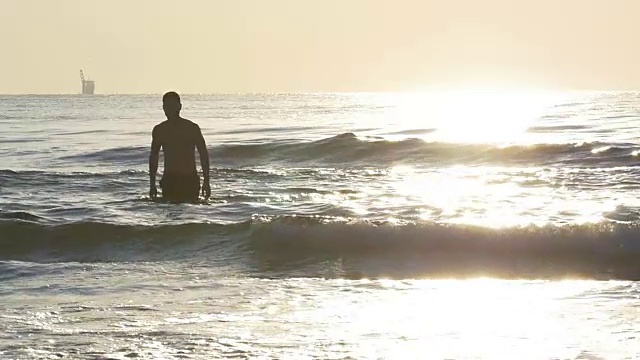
(428, 225)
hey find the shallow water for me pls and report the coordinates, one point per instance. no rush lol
(336, 226)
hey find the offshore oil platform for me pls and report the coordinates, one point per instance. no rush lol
(88, 86)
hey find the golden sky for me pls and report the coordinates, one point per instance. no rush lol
(207, 46)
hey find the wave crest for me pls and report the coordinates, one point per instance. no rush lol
(349, 149)
(299, 245)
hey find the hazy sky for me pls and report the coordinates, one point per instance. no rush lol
(150, 46)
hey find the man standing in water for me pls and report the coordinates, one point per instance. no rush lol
(178, 138)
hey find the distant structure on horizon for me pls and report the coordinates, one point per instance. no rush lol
(88, 86)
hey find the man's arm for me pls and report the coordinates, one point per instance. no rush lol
(204, 162)
(153, 162)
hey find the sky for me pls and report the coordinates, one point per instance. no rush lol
(231, 46)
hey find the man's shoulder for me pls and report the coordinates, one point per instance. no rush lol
(160, 128)
(191, 123)
(161, 125)
(172, 125)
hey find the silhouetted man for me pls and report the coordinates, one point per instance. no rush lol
(178, 138)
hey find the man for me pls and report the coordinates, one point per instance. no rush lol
(178, 138)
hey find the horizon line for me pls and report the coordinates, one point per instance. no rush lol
(415, 91)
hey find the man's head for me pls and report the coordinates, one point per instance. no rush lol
(171, 104)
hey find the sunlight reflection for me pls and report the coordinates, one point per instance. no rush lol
(494, 318)
(489, 196)
(472, 116)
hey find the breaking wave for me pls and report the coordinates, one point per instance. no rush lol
(309, 246)
(349, 149)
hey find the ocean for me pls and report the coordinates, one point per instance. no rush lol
(469, 225)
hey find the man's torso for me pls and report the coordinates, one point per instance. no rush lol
(178, 140)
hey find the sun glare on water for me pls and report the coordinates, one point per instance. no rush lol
(492, 319)
(477, 193)
(473, 116)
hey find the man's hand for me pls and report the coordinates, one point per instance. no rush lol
(153, 192)
(206, 189)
